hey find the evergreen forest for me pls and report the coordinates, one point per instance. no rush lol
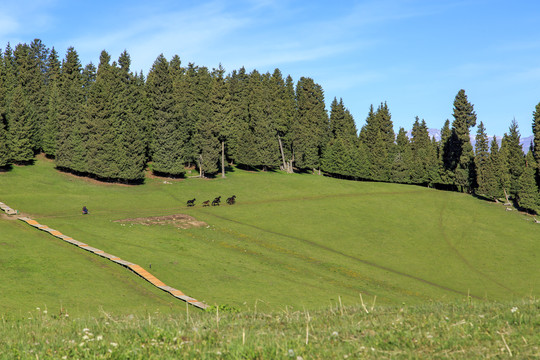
(111, 123)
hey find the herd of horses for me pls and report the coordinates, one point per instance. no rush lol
(215, 202)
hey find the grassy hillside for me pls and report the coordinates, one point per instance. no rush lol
(291, 240)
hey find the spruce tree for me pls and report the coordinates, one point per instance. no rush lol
(339, 155)
(281, 112)
(378, 137)
(30, 79)
(130, 114)
(39, 95)
(402, 159)
(70, 150)
(445, 175)
(420, 153)
(528, 196)
(536, 133)
(459, 157)
(481, 160)
(205, 140)
(20, 115)
(220, 112)
(237, 84)
(168, 138)
(99, 117)
(50, 127)
(311, 127)
(515, 159)
(536, 140)
(495, 176)
(4, 145)
(291, 114)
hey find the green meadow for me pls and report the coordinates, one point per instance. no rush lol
(292, 241)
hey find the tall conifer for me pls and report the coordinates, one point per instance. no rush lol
(168, 138)
(515, 159)
(458, 151)
(481, 159)
(70, 151)
(50, 127)
(528, 196)
(311, 128)
(20, 115)
(401, 166)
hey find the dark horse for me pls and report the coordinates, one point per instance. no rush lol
(191, 202)
(206, 203)
(231, 200)
(216, 201)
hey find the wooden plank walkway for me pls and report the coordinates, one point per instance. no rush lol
(7, 209)
(129, 265)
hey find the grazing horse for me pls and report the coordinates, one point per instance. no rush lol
(206, 203)
(216, 201)
(231, 200)
(191, 202)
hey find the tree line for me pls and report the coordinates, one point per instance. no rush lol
(112, 123)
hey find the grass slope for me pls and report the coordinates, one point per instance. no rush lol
(291, 240)
(461, 330)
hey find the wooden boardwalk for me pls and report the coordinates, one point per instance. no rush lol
(131, 266)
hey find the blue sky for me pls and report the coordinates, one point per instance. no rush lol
(414, 54)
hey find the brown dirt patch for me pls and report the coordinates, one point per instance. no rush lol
(181, 221)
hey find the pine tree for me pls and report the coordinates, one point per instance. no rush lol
(378, 137)
(311, 128)
(265, 112)
(536, 140)
(445, 175)
(495, 179)
(50, 127)
(4, 145)
(528, 196)
(420, 151)
(386, 127)
(339, 154)
(290, 114)
(402, 159)
(9, 73)
(19, 118)
(281, 112)
(99, 117)
(481, 160)
(205, 139)
(237, 84)
(130, 115)
(219, 104)
(168, 138)
(515, 159)
(536, 133)
(39, 94)
(30, 79)
(459, 157)
(70, 151)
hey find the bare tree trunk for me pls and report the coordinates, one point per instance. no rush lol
(506, 196)
(223, 159)
(282, 154)
(201, 172)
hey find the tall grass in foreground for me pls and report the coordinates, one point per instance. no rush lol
(467, 329)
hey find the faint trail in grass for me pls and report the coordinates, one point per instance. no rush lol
(460, 255)
(365, 262)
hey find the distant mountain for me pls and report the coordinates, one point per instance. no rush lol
(524, 141)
